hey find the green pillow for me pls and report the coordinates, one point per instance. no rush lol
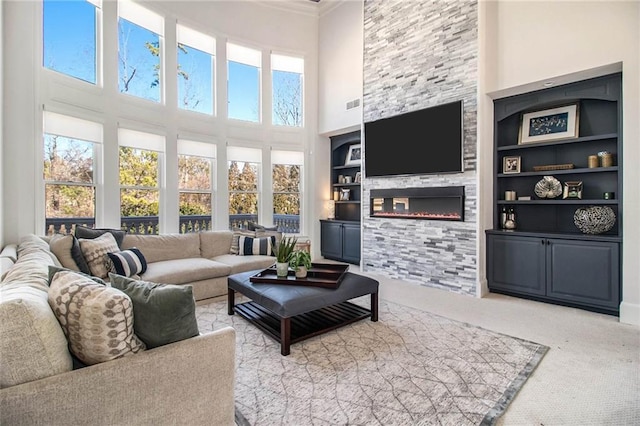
(162, 313)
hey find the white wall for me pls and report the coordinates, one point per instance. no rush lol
(537, 41)
(340, 67)
(1, 128)
(289, 27)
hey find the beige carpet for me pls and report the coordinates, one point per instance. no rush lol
(409, 368)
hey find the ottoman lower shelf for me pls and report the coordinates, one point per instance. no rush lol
(303, 326)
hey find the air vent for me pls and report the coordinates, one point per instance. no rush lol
(354, 103)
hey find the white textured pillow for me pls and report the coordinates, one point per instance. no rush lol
(95, 253)
(96, 319)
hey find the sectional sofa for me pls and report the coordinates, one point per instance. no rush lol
(190, 381)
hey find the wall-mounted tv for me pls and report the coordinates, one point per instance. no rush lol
(427, 141)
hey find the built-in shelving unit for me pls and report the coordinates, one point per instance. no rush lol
(546, 256)
(340, 237)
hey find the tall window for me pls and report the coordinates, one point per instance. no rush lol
(287, 195)
(140, 34)
(70, 146)
(196, 169)
(286, 77)
(195, 70)
(70, 37)
(243, 85)
(244, 189)
(140, 167)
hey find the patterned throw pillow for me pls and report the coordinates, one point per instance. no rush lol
(164, 313)
(128, 262)
(95, 253)
(235, 241)
(96, 319)
(249, 246)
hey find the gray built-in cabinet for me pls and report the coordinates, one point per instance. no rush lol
(340, 238)
(546, 257)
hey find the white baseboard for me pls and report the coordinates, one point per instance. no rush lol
(630, 313)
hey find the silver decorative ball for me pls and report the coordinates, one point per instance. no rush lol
(594, 219)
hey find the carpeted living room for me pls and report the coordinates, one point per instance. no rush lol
(445, 318)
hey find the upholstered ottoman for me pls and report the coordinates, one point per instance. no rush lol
(291, 313)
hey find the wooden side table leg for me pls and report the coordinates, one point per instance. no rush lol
(231, 301)
(285, 336)
(374, 307)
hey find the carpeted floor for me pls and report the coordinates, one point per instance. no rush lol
(409, 368)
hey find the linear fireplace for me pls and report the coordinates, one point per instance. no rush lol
(439, 203)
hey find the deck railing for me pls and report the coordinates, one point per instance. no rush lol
(288, 224)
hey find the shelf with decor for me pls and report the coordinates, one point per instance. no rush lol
(557, 193)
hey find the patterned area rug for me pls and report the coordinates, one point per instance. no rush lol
(409, 368)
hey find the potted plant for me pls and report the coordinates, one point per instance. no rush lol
(300, 262)
(283, 251)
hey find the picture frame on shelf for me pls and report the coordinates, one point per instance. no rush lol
(511, 164)
(358, 177)
(572, 189)
(354, 155)
(549, 124)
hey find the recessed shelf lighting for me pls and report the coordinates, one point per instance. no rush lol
(548, 83)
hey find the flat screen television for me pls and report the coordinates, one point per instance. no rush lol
(427, 141)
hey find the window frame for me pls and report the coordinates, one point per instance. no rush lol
(203, 150)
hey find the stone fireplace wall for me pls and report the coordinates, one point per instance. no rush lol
(419, 54)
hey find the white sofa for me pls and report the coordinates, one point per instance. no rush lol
(187, 382)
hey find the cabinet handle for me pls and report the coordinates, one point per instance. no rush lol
(548, 242)
(542, 242)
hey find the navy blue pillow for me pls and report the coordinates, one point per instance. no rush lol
(128, 262)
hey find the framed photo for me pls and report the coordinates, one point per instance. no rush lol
(572, 189)
(511, 165)
(345, 194)
(358, 178)
(354, 155)
(549, 125)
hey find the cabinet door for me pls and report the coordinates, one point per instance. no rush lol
(585, 272)
(331, 240)
(516, 264)
(351, 243)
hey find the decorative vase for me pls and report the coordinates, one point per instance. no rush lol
(282, 269)
(594, 219)
(301, 272)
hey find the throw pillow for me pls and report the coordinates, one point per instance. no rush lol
(164, 313)
(96, 319)
(128, 262)
(252, 226)
(249, 246)
(90, 233)
(67, 249)
(237, 233)
(95, 253)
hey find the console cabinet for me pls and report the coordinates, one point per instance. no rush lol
(576, 272)
(547, 257)
(340, 238)
(340, 241)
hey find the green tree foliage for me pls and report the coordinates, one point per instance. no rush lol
(286, 192)
(243, 187)
(139, 176)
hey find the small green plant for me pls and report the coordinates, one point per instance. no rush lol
(283, 250)
(300, 258)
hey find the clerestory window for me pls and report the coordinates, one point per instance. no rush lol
(243, 83)
(287, 84)
(196, 62)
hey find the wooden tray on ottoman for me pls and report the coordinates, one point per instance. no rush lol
(328, 275)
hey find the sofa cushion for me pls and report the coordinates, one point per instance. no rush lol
(164, 247)
(32, 267)
(96, 319)
(183, 271)
(245, 263)
(66, 247)
(90, 233)
(32, 344)
(215, 243)
(163, 313)
(128, 262)
(249, 246)
(10, 251)
(95, 253)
